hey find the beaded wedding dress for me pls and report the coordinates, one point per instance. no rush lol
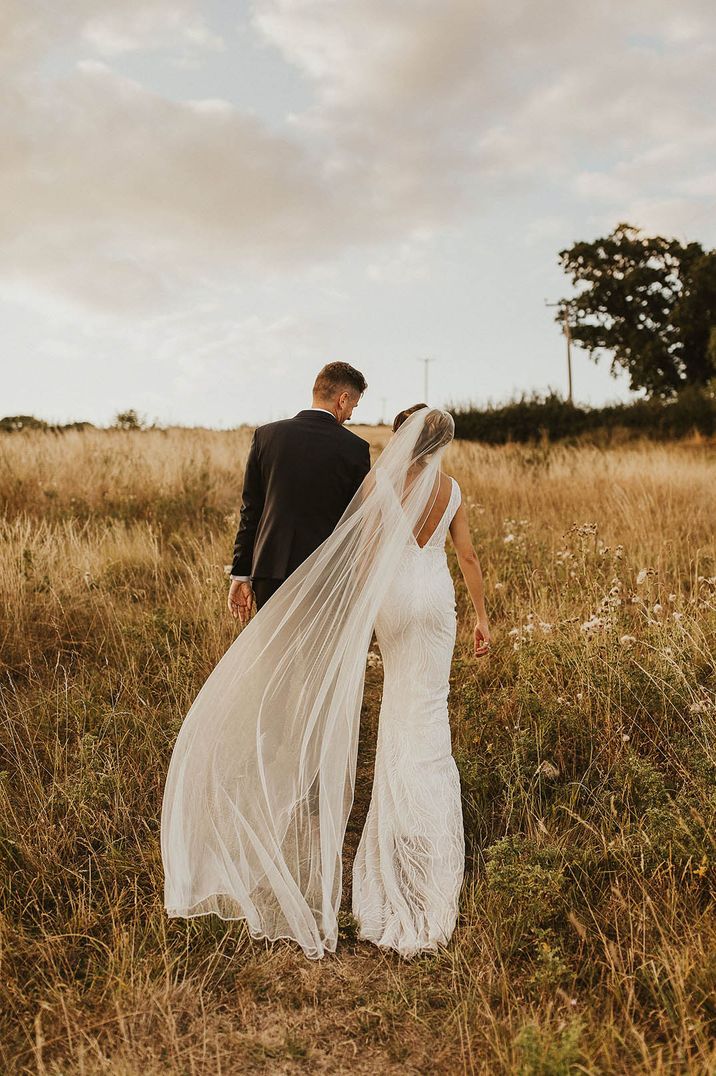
(409, 865)
(261, 779)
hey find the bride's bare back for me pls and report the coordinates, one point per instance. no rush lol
(437, 511)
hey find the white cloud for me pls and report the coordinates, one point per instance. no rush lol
(156, 25)
(602, 186)
(123, 199)
(438, 106)
(118, 193)
(702, 186)
(407, 262)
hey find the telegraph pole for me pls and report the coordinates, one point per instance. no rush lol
(426, 363)
(564, 310)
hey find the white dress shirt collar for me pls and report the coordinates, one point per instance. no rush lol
(322, 409)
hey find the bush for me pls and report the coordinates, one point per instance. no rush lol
(533, 417)
(527, 882)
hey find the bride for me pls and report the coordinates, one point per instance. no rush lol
(261, 780)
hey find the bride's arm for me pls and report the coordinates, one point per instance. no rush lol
(472, 574)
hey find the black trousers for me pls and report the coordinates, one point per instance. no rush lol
(264, 589)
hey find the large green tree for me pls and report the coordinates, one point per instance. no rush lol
(647, 301)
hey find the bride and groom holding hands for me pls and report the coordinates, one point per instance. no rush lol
(261, 779)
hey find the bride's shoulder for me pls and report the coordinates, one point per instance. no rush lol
(455, 492)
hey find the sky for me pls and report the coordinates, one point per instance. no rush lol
(203, 201)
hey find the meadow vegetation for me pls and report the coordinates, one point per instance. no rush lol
(586, 747)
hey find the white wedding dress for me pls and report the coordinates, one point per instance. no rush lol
(261, 779)
(409, 865)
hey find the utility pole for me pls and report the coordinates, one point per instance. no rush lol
(564, 310)
(426, 363)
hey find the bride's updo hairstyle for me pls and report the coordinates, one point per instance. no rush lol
(402, 415)
(438, 430)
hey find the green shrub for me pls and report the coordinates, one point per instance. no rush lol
(534, 417)
(549, 1051)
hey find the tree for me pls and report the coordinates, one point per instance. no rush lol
(712, 347)
(22, 422)
(647, 300)
(128, 420)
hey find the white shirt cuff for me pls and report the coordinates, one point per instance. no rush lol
(241, 578)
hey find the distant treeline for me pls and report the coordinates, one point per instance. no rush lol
(123, 420)
(28, 422)
(529, 418)
(535, 417)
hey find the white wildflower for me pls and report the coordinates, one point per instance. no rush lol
(627, 640)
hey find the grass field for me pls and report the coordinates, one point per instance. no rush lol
(586, 747)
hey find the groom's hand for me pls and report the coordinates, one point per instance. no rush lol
(241, 600)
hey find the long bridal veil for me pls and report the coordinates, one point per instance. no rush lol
(260, 783)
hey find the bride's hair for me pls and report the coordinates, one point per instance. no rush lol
(438, 430)
(402, 415)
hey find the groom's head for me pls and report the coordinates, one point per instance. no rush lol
(338, 388)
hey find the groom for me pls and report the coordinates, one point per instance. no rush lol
(300, 475)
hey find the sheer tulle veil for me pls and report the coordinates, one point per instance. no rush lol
(261, 780)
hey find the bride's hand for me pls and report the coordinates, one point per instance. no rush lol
(482, 639)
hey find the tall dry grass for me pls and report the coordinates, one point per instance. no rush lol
(587, 939)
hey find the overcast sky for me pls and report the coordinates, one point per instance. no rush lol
(203, 201)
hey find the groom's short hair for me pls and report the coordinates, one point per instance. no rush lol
(337, 376)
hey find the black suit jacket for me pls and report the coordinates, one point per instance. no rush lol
(300, 475)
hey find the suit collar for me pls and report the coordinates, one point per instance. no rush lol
(319, 416)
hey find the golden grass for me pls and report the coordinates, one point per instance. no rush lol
(587, 940)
